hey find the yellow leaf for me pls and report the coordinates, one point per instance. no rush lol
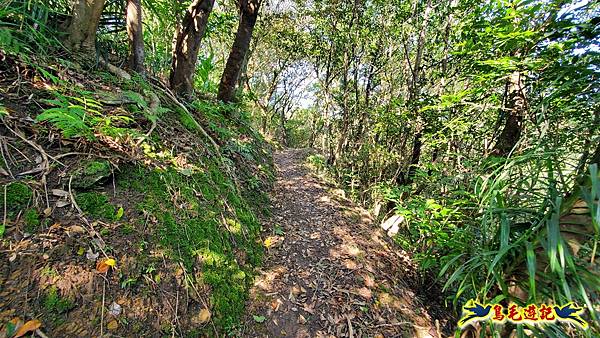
(112, 325)
(268, 242)
(204, 316)
(104, 264)
(31, 325)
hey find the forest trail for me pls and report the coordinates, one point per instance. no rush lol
(329, 271)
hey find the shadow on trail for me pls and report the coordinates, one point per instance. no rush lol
(329, 271)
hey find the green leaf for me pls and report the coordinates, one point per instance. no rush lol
(119, 213)
(531, 269)
(259, 319)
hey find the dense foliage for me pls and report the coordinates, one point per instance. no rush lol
(477, 121)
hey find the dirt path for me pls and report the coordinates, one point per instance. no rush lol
(329, 271)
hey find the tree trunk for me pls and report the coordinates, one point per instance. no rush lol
(136, 37)
(514, 106)
(231, 73)
(81, 28)
(414, 160)
(187, 44)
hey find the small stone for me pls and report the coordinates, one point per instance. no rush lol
(91, 255)
(114, 309)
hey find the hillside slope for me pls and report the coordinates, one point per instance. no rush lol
(124, 210)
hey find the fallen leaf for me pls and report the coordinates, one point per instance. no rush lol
(204, 316)
(259, 319)
(273, 241)
(47, 211)
(104, 264)
(310, 308)
(369, 280)
(119, 213)
(112, 325)
(364, 292)
(76, 229)
(301, 319)
(11, 327)
(31, 325)
(61, 203)
(276, 304)
(269, 242)
(60, 193)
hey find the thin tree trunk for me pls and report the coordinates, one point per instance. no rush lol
(231, 73)
(136, 37)
(414, 95)
(414, 159)
(81, 28)
(514, 107)
(187, 45)
(284, 135)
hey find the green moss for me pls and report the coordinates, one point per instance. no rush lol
(96, 204)
(32, 220)
(17, 195)
(55, 304)
(127, 229)
(90, 173)
(190, 226)
(187, 120)
(97, 167)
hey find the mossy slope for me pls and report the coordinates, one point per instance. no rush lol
(172, 194)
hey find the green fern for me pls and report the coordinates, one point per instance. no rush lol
(73, 120)
(137, 98)
(70, 120)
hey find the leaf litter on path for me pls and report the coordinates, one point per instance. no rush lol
(335, 273)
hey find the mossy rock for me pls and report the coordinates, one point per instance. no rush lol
(90, 173)
(17, 195)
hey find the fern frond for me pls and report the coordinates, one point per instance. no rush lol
(70, 120)
(137, 98)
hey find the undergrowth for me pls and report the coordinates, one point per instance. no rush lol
(213, 230)
(196, 198)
